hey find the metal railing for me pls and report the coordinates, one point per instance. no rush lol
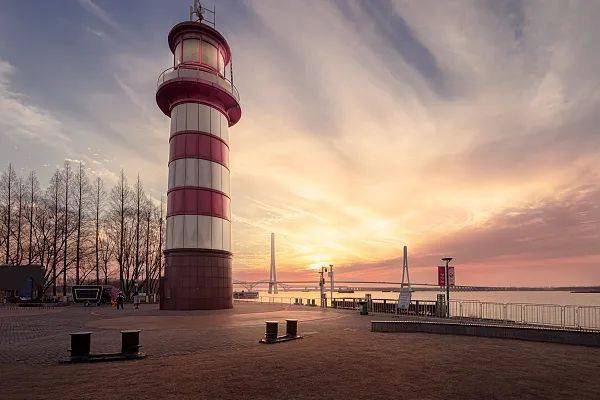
(555, 315)
(198, 74)
(563, 316)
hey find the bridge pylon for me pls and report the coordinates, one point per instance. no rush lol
(272, 271)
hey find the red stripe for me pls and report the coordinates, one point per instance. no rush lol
(192, 201)
(198, 145)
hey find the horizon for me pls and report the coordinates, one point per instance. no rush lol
(468, 131)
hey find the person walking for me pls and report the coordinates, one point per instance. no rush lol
(136, 301)
(120, 301)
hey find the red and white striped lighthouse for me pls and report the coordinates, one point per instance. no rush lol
(202, 104)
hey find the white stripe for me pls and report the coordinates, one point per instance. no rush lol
(198, 232)
(199, 117)
(199, 173)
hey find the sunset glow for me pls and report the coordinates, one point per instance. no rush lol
(469, 131)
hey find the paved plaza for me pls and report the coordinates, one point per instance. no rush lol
(216, 355)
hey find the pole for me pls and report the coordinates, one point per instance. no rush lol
(447, 291)
(447, 281)
(331, 282)
(322, 286)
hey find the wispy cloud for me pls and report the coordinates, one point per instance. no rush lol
(469, 129)
(20, 117)
(99, 13)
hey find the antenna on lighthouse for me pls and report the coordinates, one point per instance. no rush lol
(197, 13)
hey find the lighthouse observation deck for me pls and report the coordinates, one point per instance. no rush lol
(196, 81)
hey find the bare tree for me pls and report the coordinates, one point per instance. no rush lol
(8, 179)
(54, 227)
(119, 197)
(106, 249)
(19, 254)
(138, 199)
(99, 193)
(66, 227)
(33, 184)
(83, 192)
(56, 183)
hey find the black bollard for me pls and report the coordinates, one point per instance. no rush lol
(80, 344)
(291, 327)
(130, 341)
(271, 331)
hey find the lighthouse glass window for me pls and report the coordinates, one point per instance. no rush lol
(190, 50)
(209, 55)
(178, 54)
(221, 63)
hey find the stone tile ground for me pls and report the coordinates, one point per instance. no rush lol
(215, 355)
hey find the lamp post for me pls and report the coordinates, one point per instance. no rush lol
(331, 283)
(322, 286)
(447, 281)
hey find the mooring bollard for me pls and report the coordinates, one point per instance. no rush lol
(271, 331)
(80, 344)
(291, 327)
(130, 341)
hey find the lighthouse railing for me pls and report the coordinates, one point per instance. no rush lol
(199, 74)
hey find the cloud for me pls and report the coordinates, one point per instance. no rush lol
(560, 232)
(447, 126)
(99, 13)
(21, 118)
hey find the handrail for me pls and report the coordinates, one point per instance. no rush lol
(586, 317)
(190, 72)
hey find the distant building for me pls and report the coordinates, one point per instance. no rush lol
(20, 281)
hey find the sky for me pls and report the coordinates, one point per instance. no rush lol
(463, 129)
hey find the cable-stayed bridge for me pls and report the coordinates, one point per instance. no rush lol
(395, 286)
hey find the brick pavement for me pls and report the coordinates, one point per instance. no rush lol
(215, 355)
(34, 336)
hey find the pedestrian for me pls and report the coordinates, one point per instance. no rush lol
(120, 301)
(136, 301)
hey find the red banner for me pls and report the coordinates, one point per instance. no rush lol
(442, 276)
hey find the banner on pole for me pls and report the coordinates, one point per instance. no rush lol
(442, 276)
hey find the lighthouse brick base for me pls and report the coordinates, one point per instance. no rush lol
(197, 279)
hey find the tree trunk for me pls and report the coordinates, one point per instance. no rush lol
(54, 247)
(30, 256)
(66, 229)
(160, 238)
(98, 183)
(78, 242)
(122, 231)
(19, 255)
(8, 212)
(137, 231)
(147, 290)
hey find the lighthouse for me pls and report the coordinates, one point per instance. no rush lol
(202, 104)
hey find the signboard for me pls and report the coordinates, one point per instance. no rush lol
(404, 299)
(442, 276)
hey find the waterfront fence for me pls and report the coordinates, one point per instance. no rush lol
(562, 316)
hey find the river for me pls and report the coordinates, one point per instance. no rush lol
(537, 297)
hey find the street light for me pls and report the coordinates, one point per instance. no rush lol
(331, 282)
(322, 286)
(447, 281)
